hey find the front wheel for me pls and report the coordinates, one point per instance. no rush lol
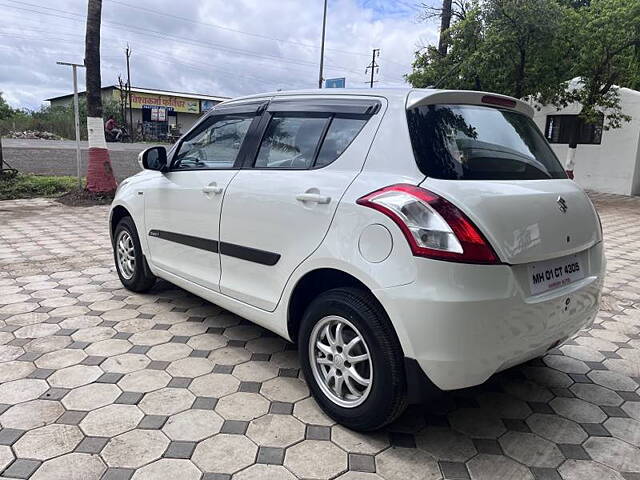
(352, 360)
(131, 264)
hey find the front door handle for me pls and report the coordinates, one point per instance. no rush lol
(212, 189)
(313, 197)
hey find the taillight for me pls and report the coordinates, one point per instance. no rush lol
(433, 226)
(499, 101)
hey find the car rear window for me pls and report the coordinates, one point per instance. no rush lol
(468, 142)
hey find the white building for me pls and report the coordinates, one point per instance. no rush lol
(606, 160)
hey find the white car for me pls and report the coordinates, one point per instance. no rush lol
(407, 240)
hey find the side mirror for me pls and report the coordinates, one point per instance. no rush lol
(154, 158)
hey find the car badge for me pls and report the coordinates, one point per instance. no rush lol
(562, 204)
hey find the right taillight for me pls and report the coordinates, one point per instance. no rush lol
(433, 226)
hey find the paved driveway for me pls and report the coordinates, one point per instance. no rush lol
(99, 383)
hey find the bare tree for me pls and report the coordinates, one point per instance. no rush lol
(445, 23)
(451, 10)
(100, 178)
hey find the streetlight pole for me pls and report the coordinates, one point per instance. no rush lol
(76, 113)
(324, 28)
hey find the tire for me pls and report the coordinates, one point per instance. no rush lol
(361, 315)
(139, 278)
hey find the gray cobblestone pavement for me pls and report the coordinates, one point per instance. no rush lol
(99, 383)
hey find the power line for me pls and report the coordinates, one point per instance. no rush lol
(252, 34)
(162, 35)
(373, 66)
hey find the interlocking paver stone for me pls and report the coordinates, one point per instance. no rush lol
(241, 390)
(441, 443)
(48, 442)
(166, 401)
(135, 448)
(614, 453)
(224, 453)
(73, 466)
(23, 390)
(33, 414)
(275, 430)
(168, 468)
(111, 420)
(530, 449)
(91, 397)
(192, 425)
(403, 463)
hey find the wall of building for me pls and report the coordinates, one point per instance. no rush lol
(614, 165)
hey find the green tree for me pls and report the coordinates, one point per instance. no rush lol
(6, 111)
(602, 44)
(535, 48)
(504, 46)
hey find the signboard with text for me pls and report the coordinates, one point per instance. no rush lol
(334, 83)
(148, 100)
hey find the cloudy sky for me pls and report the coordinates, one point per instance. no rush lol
(215, 47)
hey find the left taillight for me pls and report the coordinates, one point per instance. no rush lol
(434, 227)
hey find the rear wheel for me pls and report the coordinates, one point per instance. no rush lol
(352, 359)
(130, 262)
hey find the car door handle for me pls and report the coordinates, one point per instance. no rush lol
(212, 189)
(313, 197)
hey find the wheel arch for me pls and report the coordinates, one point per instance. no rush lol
(312, 284)
(118, 212)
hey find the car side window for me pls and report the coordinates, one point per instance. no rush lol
(214, 146)
(291, 141)
(339, 136)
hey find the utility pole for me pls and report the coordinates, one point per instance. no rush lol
(373, 65)
(324, 28)
(76, 114)
(128, 52)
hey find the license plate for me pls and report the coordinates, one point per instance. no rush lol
(552, 274)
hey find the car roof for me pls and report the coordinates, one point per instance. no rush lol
(407, 95)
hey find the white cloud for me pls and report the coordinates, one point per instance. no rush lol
(194, 56)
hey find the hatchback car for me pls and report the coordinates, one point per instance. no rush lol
(408, 240)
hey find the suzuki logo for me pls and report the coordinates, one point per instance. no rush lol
(562, 204)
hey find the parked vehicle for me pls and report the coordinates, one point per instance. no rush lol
(112, 137)
(407, 240)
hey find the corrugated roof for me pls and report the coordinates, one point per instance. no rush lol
(156, 91)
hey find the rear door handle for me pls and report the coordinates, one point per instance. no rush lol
(313, 197)
(212, 189)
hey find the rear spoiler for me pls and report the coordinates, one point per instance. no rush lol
(417, 98)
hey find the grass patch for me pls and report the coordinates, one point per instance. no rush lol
(30, 186)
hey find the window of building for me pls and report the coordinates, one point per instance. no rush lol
(559, 128)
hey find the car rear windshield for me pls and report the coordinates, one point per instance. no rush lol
(468, 142)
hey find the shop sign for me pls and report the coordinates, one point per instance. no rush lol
(148, 100)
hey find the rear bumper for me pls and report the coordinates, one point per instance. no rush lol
(463, 323)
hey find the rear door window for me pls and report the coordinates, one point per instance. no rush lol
(467, 142)
(291, 142)
(341, 133)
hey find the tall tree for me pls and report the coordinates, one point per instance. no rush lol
(557, 52)
(5, 109)
(499, 45)
(445, 24)
(603, 46)
(100, 178)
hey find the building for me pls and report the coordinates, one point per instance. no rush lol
(155, 112)
(606, 160)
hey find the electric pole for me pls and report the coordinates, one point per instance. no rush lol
(128, 53)
(76, 115)
(324, 27)
(373, 65)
